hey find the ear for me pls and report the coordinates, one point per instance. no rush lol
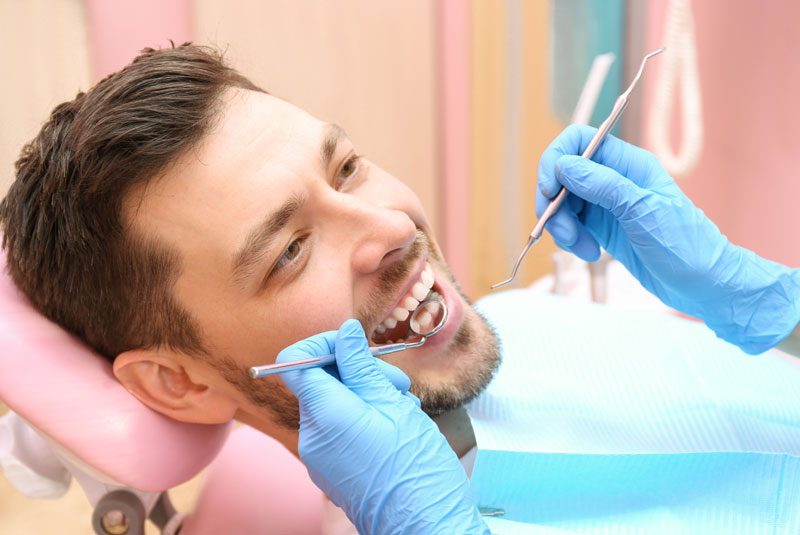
(162, 380)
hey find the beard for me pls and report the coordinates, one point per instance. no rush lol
(268, 393)
(478, 349)
(475, 343)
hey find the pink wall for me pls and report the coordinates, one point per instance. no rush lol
(748, 178)
(119, 29)
(454, 94)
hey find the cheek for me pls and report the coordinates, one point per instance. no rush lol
(320, 303)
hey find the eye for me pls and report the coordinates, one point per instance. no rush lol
(348, 170)
(289, 255)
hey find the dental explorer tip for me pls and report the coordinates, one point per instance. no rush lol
(499, 284)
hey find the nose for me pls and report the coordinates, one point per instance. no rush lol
(377, 236)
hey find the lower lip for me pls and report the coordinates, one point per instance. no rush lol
(455, 312)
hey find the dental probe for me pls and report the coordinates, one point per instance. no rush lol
(313, 362)
(619, 106)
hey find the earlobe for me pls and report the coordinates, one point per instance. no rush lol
(160, 379)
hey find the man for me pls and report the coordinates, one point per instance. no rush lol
(188, 226)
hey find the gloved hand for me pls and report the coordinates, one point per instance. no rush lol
(370, 448)
(627, 204)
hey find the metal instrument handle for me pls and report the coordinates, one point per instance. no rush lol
(326, 360)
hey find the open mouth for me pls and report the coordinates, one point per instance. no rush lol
(396, 326)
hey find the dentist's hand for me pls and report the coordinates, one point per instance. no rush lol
(370, 448)
(625, 202)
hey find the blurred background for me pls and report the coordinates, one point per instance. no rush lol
(459, 98)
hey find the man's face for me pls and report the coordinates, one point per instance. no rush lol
(285, 232)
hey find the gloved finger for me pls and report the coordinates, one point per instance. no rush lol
(562, 225)
(637, 164)
(311, 386)
(395, 375)
(315, 387)
(572, 140)
(569, 233)
(634, 163)
(319, 344)
(359, 369)
(597, 183)
(575, 204)
(414, 398)
(585, 247)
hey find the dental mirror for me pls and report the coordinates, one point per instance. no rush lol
(427, 319)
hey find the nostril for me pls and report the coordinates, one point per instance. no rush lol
(393, 256)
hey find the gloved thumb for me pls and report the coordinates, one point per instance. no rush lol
(596, 183)
(315, 383)
(367, 376)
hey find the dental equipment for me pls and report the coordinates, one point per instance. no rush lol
(619, 106)
(428, 306)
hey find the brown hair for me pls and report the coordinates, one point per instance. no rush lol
(68, 248)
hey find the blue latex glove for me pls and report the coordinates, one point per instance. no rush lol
(370, 448)
(627, 204)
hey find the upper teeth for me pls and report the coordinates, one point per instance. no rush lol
(419, 291)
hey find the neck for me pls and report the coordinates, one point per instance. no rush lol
(457, 429)
(287, 437)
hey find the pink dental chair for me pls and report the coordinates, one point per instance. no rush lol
(70, 418)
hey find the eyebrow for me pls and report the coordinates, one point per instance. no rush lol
(262, 236)
(332, 135)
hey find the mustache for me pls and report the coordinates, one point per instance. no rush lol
(390, 281)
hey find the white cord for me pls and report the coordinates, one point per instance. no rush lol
(679, 60)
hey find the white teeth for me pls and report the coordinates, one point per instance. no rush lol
(429, 270)
(419, 291)
(410, 303)
(427, 279)
(400, 314)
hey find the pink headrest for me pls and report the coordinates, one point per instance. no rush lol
(70, 393)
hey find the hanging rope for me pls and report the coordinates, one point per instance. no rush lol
(680, 62)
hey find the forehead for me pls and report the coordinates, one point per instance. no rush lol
(254, 127)
(259, 149)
